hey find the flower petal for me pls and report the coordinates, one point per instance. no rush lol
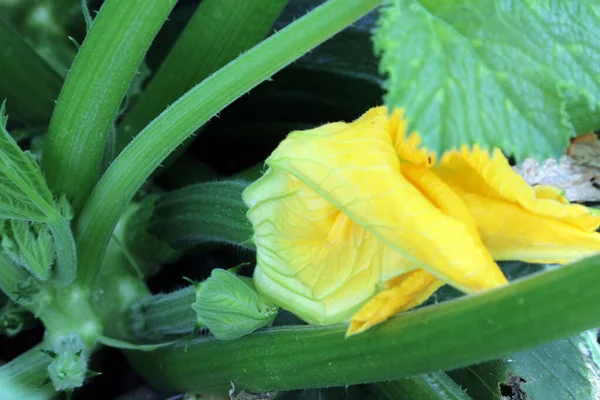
(515, 220)
(407, 147)
(514, 233)
(357, 170)
(311, 258)
(402, 293)
(486, 273)
(550, 192)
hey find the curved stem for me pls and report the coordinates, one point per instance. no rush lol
(213, 37)
(210, 212)
(66, 252)
(164, 315)
(538, 309)
(146, 152)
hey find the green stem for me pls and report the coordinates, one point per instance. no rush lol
(433, 386)
(213, 37)
(89, 101)
(116, 290)
(540, 308)
(160, 316)
(203, 213)
(27, 81)
(66, 252)
(21, 378)
(70, 310)
(135, 164)
(10, 275)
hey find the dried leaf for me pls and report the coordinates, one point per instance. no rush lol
(577, 173)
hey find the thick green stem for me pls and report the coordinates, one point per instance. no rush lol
(213, 37)
(538, 309)
(116, 290)
(135, 164)
(160, 316)
(203, 213)
(90, 99)
(27, 81)
(433, 386)
(22, 377)
(70, 310)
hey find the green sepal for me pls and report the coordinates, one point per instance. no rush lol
(49, 353)
(230, 307)
(67, 371)
(25, 292)
(69, 367)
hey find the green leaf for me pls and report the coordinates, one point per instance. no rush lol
(566, 369)
(24, 195)
(29, 245)
(230, 306)
(433, 386)
(468, 71)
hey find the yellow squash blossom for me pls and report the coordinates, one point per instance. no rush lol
(354, 222)
(517, 221)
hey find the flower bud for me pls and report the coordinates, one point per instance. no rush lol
(68, 368)
(230, 306)
(68, 371)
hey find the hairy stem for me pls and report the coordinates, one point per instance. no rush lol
(96, 85)
(160, 316)
(540, 308)
(203, 213)
(213, 37)
(145, 153)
